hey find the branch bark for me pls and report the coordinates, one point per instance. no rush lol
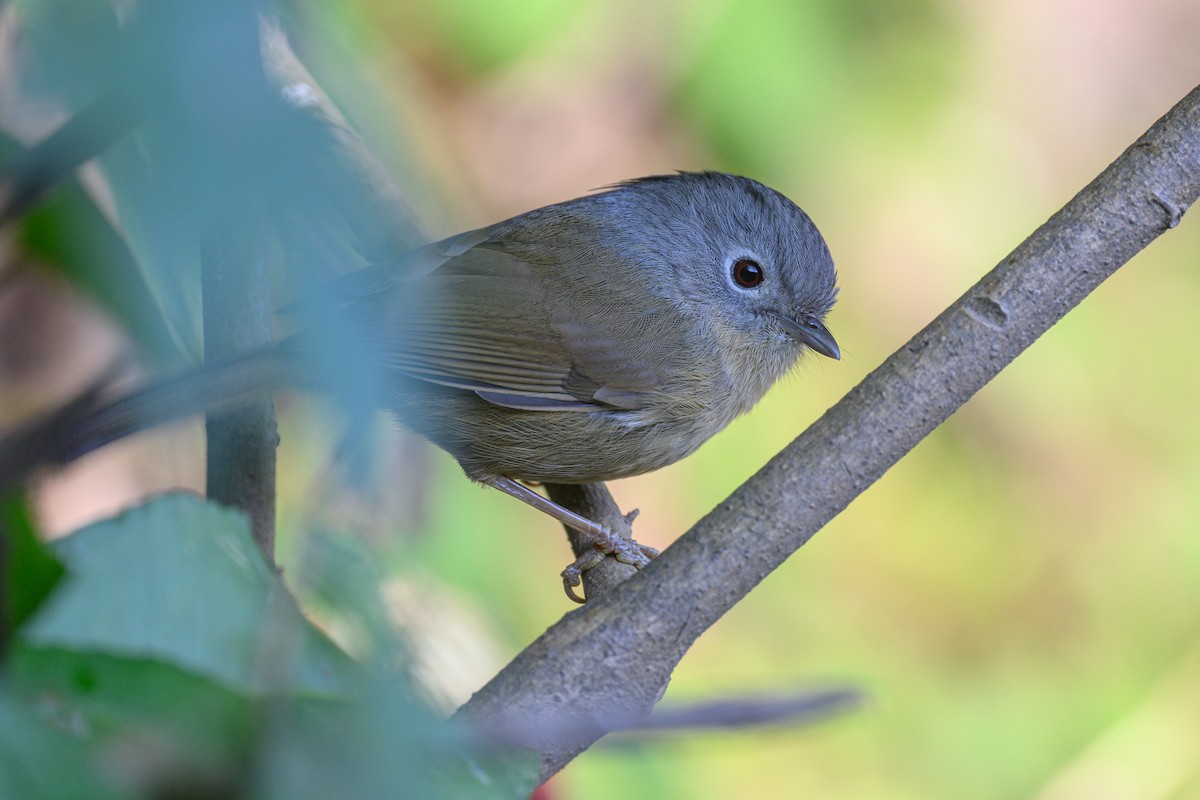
(615, 655)
(241, 441)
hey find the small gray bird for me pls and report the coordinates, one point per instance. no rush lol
(606, 336)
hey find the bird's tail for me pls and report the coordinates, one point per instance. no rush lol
(94, 419)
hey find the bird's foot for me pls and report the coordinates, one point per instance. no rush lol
(606, 542)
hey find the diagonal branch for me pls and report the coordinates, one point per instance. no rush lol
(616, 654)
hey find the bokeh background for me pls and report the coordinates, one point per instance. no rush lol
(1019, 597)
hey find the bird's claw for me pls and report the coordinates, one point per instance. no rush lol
(573, 575)
(608, 543)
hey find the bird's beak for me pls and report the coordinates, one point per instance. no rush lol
(813, 334)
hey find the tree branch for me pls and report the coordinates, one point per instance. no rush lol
(616, 654)
(237, 319)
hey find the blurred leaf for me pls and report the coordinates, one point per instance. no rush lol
(180, 581)
(385, 744)
(40, 763)
(389, 743)
(72, 48)
(339, 575)
(67, 231)
(219, 137)
(172, 647)
(493, 774)
(102, 696)
(30, 570)
(198, 149)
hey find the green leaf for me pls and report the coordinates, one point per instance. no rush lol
(38, 762)
(172, 642)
(30, 571)
(111, 695)
(180, 581)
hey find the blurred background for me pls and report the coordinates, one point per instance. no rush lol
(1019, 597)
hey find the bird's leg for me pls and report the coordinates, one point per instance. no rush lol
(605, 541)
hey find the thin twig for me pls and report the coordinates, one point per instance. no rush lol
(732, 712)
(237, 320)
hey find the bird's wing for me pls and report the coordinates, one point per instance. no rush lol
(489, 321)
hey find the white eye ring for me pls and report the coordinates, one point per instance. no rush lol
(747, 273)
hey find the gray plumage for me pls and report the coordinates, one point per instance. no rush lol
(604, 336)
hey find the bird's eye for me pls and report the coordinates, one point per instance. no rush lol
(747, 273)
